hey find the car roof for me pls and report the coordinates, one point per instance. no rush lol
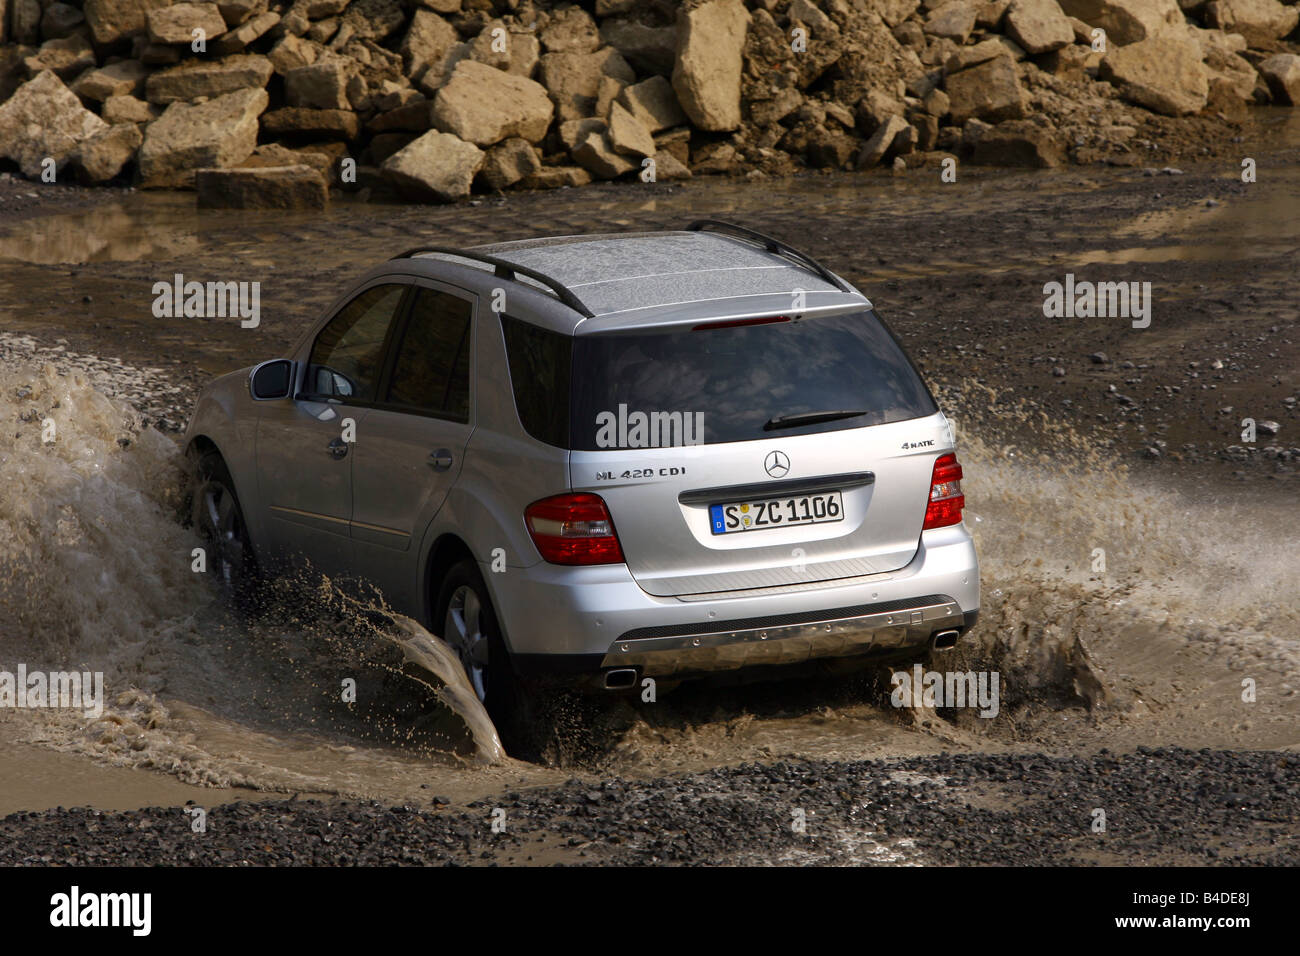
(641, 279)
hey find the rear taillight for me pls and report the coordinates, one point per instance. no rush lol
(946, 499)
(573, 529)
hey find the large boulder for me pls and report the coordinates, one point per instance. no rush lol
(198, 78)
(483, 105)
(128, 109)
(650, 49)
(111, 20)
(1163, 73)
(1282, 74)
(508, 162)
(321, 86)
(989, 91)
(236, 12)
(706, 74)
(654, 103)
(427, 42)
(894, 12)
(629, 135)
(881, 141)
(67, 57)
(1038, 25)
(517, 51)
(557, 177)
(44, 119)
(952, 21)
(221, 132)
(238, 39)
(298, 121)
(1127, 21)
(262, 187)
(596, 154)
(177, 23)
(123, 78)
(373, 19)
(975, 54)
(570, 30)
(104, 155)
(291, 52)
(573, 79)
(438, 166)
(318, 156)
(1231, 72)
(1018, 143)
(1259, 21)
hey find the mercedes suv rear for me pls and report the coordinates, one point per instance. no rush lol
(606, 458)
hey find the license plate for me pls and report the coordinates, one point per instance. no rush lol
(764, 513)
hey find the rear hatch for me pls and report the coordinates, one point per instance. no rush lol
(755, 453)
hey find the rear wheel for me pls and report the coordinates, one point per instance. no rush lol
(469, 625)
(219, 520)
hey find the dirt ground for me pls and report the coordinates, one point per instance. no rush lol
(958, 270)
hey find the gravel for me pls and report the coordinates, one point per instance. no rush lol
(1161, 806)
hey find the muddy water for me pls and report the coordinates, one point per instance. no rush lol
(1196, 594)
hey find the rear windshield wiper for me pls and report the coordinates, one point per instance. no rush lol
(810, 418)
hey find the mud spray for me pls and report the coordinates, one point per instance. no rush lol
(96, 574)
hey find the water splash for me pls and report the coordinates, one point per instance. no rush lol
(96, 574)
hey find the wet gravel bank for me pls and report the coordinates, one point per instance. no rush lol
(1167, 806)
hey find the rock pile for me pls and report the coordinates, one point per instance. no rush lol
(435, 98)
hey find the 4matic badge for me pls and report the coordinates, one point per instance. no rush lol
(909, 445)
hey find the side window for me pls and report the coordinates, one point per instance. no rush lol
(539, 375)
(432, 369)
(347, 356)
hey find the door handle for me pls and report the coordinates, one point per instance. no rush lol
(440, 460)
(337, 448)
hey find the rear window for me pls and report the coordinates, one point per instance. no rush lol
(711, 385)
(724, 384)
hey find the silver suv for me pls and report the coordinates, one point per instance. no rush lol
(603, 458)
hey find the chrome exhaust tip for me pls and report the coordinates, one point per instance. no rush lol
(944, 640)
(620, 678)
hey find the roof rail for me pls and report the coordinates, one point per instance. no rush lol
(771, 245)
(506, 270)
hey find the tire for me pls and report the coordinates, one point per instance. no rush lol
(219, 519)
(466, 620)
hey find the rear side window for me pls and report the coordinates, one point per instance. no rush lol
(431, 373)
(729, 381)
(539, 374)
(347, 355)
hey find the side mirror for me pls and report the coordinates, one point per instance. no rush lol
(271, 380)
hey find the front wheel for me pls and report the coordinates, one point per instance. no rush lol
(219, 520)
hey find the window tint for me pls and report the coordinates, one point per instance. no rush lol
(346, 357)
(432, 369)
(539, 374)
(737, 378)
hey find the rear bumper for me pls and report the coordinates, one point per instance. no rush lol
(560, 620)
(846, 632)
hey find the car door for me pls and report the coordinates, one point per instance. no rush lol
(409, 453)
(304, 447)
